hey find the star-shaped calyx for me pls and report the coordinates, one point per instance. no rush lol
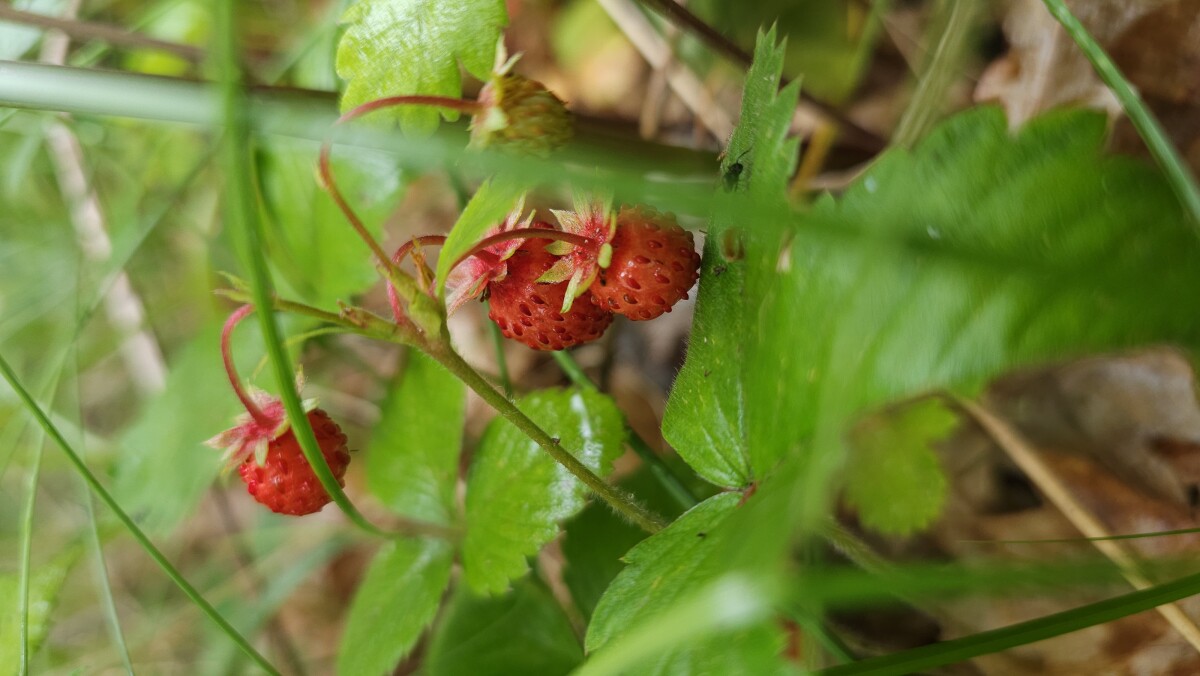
(469, 278)
(253, 432)
(578, 264)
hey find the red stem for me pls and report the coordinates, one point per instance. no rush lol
(326, 172)
(397, 258)
(227, 355)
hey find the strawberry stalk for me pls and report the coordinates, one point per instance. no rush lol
(231, 371)
(403, 283)
(397, 259)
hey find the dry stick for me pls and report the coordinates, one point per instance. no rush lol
(85, 30)
(656, 50)
(680, 16)
(1048, 483)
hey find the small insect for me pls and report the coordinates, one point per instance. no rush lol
(734, 171)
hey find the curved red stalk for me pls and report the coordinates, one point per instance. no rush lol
(397, 258)
(326, 172)
(227, 356)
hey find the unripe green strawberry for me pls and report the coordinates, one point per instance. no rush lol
(521, 115)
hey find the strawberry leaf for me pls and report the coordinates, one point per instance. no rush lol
(522, 632)
(487, 209)
(398, 597)
(412, 460)
(704, 418)
(395, 47)
(663, 571)
(517, 494)
(896, 482)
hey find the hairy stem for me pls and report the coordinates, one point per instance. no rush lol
(231, 370)
(618, 501)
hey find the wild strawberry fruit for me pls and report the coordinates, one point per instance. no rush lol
(652, 266)
(264, 448)
(530, 311)
(470, 278)
(520, 114)
(270, 462)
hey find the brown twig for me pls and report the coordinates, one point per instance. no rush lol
(86, 30)
(681, 16)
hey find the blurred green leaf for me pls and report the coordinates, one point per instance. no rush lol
(45, 582)
(412, 460)
(397, 598)
(666, 569)
(522, 632)
(517, 494)
(487, 209)
(165, 467)
(395, 47)
(312, 246)
(893, 477)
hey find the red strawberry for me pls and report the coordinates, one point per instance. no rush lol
(654, 263)
(271, 463)
(531, 312)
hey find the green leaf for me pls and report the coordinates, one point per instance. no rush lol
(705, 415)
(522, 632)
(165, 467)
(594, 542)
(395, 47)
(412, 460)
(944, 266)
(311, 244)
(45, 582)
(665, 570)
(398, 597)
(487, 209)
(517, 494)
(894, 479)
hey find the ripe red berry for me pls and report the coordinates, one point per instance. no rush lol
(285, 483)
(654, 263)
(269, 459)
(530, 312)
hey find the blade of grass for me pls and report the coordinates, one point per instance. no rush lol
(957, 650)
(1181, 178)
(98, 489)
(27, 509)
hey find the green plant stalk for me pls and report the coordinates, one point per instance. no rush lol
(243, 218)
(661, 470)
(938, 72)
(98, 489)
(957, 650)
(1178, 175)
(27, 554)
(621, 503)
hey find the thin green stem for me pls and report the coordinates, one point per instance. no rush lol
(997, 640)
(618, 501)
(27, 553)
(1178, 175)
(98, 489)
(660, 469)
(243, 219)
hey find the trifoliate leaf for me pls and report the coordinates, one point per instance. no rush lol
(894, 479)
(395, 47)
(412, 461)
(517, 494)
(398, 597)
(665, 570)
